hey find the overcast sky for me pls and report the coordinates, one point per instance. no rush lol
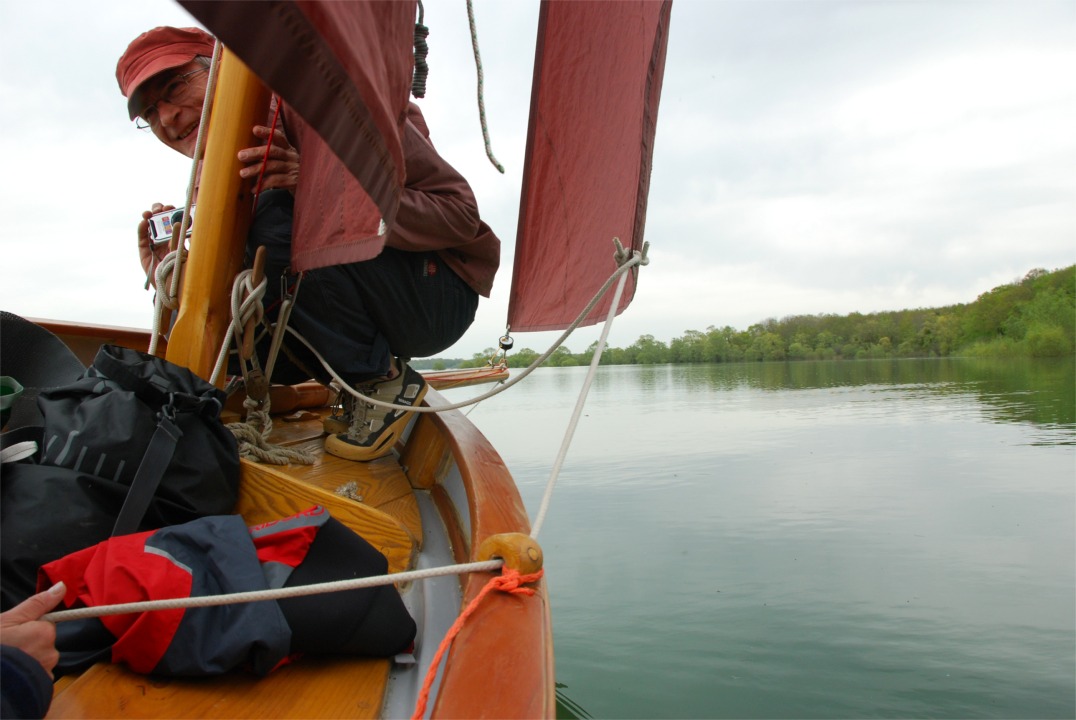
(811, 157)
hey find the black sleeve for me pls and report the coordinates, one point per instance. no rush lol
(25, 687)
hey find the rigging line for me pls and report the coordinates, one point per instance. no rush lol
(265, 158)
(635, 260)
(199, 148)
(481, 85)
(241, 312)
(287, 303)
(277, 594)
(626, 263)
(162, 275)
(337, 586)
(547, 497)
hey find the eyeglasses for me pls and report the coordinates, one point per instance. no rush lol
(176, 92)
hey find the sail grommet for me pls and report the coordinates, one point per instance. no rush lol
(518, 551)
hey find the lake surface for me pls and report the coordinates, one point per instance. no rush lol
(807, 540)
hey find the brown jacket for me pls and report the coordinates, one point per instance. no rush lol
(437, 212)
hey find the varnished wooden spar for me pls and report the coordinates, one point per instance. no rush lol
(221, 222)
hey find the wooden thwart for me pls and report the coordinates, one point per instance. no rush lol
(271, 492)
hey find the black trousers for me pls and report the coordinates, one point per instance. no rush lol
(358, 316)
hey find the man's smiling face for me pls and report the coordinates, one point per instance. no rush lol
(172, 105)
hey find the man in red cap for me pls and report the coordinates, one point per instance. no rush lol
(366, 319)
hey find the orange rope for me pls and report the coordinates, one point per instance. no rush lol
(508, 581)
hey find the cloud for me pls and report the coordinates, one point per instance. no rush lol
(821, 156)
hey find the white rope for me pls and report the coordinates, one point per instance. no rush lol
(246, 304)
(627, 259)
(539, 520)
(170, 266)
(635, 259)
(278, 594)
(481, 86)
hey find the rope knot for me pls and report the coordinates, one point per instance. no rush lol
(512, 581)
(162, 276)
(508, 581)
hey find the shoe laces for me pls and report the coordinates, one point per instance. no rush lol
(359, 412)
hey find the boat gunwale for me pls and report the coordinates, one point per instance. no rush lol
(493, 658)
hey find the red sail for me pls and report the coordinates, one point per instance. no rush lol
(345, 69)
(594, 105)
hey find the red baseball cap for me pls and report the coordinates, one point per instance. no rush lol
(155, 51)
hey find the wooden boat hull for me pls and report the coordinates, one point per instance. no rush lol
(431, 503)
(84, 339)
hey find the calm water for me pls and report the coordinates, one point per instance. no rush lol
(810, 540)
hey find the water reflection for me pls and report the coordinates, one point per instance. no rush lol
(1042, 392)
(568, 709)
(850, 539)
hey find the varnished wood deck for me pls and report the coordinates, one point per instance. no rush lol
(308, 688)
(387, 517)
(501, 665)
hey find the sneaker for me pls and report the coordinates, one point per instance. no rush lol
(374, 430)
(343, 412)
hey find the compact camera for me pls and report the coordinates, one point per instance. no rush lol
(161, 224)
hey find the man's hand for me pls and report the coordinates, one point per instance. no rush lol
(282, 169)
(147, 253)
(22, 627)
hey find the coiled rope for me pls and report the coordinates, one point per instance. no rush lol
(422, 70)
(252, 434)
(481, 85)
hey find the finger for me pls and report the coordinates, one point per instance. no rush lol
(279, 138)
(271, 169)
(257, 154)
(264, 132)
(35, 606)
(252, 155)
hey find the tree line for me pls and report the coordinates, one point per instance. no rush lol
(1034, 316)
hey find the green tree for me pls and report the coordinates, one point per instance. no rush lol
(688, 348)
(648, 351)
(522, 358)
(562, 357)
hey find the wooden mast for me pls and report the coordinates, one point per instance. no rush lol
(221, 220)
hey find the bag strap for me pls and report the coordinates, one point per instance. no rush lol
(150, 471)
(20, 443)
